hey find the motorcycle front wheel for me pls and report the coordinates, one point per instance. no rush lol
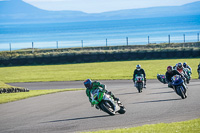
(181, 92)
(122, 109)
(107, 107)
(139, 87)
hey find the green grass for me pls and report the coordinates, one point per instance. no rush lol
(10, 88)
(9, 97)
(95, 71)
(5, 86)
(192, 126)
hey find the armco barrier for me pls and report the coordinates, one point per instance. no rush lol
(97, 57)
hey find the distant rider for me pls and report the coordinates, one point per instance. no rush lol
(170, 73)
(179, 68)
(92, 85)
(185, 65)
(139, 71)
(198, 70)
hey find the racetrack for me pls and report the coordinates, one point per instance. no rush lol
(71, 112)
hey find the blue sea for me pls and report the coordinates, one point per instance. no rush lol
(95, 33)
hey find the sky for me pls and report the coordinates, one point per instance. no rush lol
(98, 6)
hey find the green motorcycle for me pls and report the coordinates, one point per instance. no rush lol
(106, 103)
(187, 74)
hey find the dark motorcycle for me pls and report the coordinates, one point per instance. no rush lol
(187, 74)
(199, 73)
(162, 78)
(179, 86)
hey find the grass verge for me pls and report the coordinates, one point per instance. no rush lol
(9, 97)
(6, 86)
(191, 126)
(95, 71)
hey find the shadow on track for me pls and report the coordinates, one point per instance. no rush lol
(80, 118)
(128, 93)
(162, 92)
(160, 88)
(192, 85)
(167, 100)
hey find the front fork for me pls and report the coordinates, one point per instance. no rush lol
(109, 98)
(184, 86)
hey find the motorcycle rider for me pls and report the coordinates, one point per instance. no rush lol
(139, 71)
(92, 85)
(185, 65)
(179, 68)
(198, 70)
(170, 73)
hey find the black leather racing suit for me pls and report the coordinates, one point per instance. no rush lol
(139, 72)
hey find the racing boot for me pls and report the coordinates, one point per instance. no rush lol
(145, 85)
(134, 83)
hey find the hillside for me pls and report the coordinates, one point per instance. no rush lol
(21, 12)
(17, 11)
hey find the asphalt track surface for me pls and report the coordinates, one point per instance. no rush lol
(66, 112)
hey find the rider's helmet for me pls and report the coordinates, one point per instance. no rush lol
(184, 64)
(138, 67)
(169, 69)
(180, 66)
(88, 83)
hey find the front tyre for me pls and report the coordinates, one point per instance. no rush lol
(122, 109)
(107, 107)
(139, 87)
(181, 92)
